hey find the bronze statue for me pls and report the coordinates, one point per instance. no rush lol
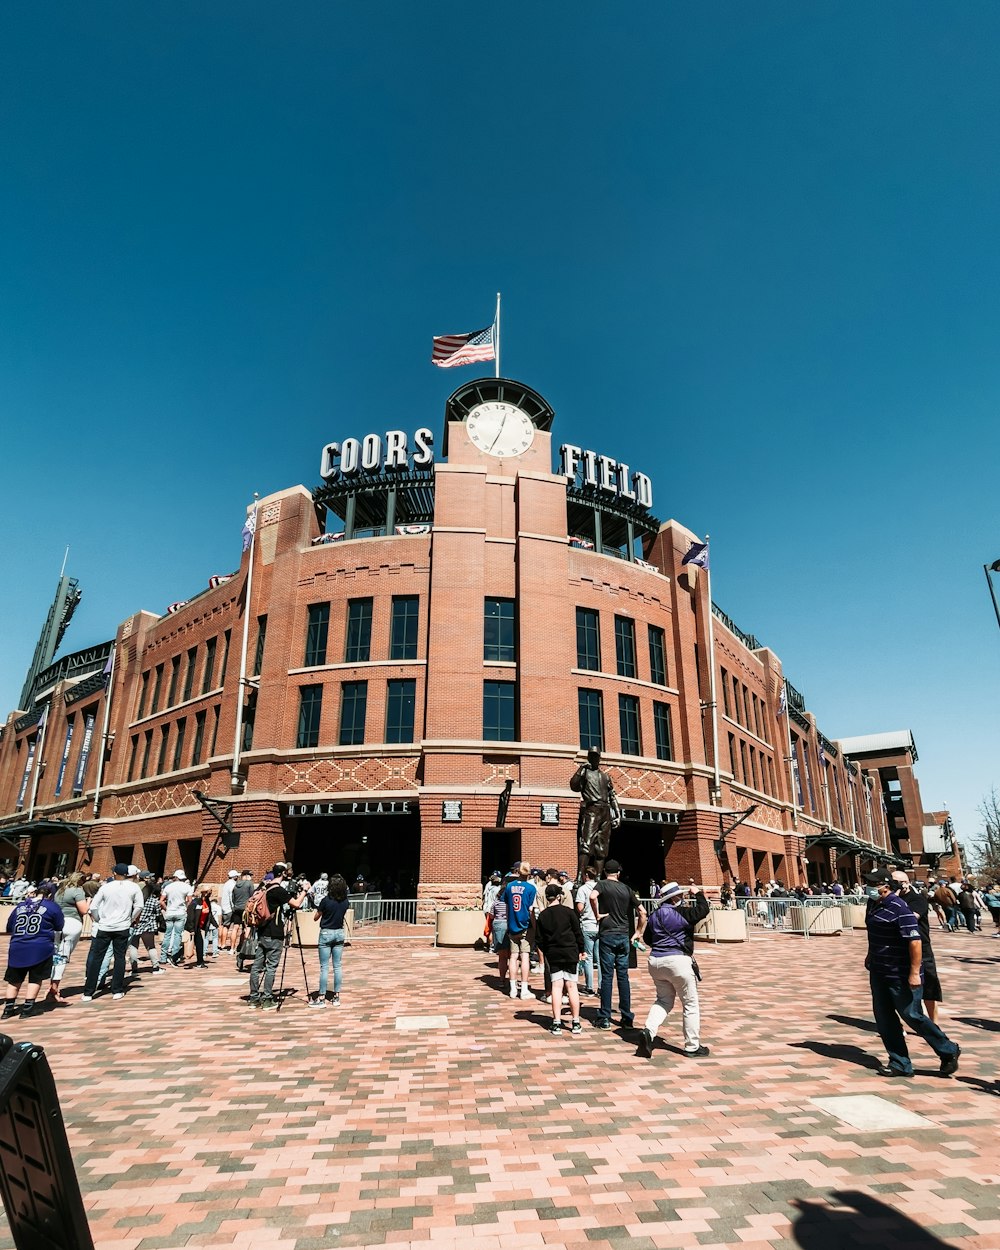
(593, 830)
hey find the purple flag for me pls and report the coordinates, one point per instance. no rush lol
(248, 529)
(697, 554)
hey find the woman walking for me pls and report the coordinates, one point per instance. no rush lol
(332, 911)
(71, 899)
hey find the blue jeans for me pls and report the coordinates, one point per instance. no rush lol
(592, 948)
(265, 965)
(330, 942)
(98, 949)
(614, 963)
(173, 938)
(894, 999)
(499, 935)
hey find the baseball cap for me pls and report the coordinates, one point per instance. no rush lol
(145, 875)
(881, 876)
(233, 872)
(563, 873)
(180, 875)
(133, 870)
(120, 870)
(612, 865)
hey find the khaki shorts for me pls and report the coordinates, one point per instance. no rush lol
(519, 943)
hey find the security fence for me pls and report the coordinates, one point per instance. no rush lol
(809, 917)
(378, 919)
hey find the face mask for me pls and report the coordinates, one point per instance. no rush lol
(872, 892)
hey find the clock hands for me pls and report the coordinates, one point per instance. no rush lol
(503, 422)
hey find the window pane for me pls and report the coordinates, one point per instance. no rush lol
(199, 738)
(147, 746)
(179, 744)
(175, 672)
(499, 713)
(316, 634)
(400, 703)
(353, 705)
(657, 656)
(142, 696)
(161, 759)
(258, 658)
(588, 640)
(625, 646)
(591, 720)
(661, 730)
(310, 706)
(628, 721)
(403, 628)
(498, 629)
(209, 665)
(192, 659)
(359, 631)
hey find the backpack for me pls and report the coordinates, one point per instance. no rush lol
(256, 914)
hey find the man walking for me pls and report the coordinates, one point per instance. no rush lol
(242, 891)
(920, 905)
(672, 967)
(621, 917)
(894, 958)
(116, 906)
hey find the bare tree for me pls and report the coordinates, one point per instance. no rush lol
(988, 844)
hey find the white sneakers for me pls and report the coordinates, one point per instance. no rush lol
(114, 996)
(526, 991)
(513, 989)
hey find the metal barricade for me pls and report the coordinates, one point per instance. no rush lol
(41, 1194)
(807, 917)
(378, 919)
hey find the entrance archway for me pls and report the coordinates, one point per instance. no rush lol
(382, 846)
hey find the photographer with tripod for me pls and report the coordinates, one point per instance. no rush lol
(270, 911)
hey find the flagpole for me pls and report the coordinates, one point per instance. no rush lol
(497, 324)
(38, 766)
(235, 779)
(108, 694)
(717, 783)
(789, 757)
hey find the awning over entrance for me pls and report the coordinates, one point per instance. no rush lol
(36, 828)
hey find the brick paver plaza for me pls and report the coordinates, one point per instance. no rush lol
(196, 1121)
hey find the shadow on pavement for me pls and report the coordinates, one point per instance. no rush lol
(977, 1022)
(988, 1087)
(849, 1054)
(819, 1228)
(855, 1022)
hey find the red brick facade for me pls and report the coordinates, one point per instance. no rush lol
(500, 531)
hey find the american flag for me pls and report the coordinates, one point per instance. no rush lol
(463, 349)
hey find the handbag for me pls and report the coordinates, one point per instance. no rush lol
(161, 923)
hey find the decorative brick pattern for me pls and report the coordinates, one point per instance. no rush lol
(332, 776)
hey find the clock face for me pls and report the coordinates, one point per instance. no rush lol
(500, 429)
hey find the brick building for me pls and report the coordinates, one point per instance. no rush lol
(431, 641)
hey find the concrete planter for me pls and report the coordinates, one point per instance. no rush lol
(853, 914)
(309, 927)
(459, 928)
(722, 926)
(816, 921)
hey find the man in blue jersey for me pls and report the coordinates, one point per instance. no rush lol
(519, 896)
(893, 963)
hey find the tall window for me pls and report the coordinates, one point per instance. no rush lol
(199, 737)
(588, 640)
(359, 631)
(591, 719)
(661, 732)
(147, 746)
(192, 659)
(657, 656)
(143, 691)
(154, 705)
(179, 743)
(175, 673)
(725, 693)
(401, 700)
(209, 679)
(310, 707)
(258, 658)
(353, 706)
(499, 711)
(227, 637)
(316, 634)
(161, 759)
(403, 627)
(498, 629)
(625, 646)
(628, 723)
(133, 749)
(215, 728)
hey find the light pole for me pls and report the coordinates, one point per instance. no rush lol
(988, 569)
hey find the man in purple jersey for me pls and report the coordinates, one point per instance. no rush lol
(34, 925)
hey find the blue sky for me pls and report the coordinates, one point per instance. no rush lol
(750, 250)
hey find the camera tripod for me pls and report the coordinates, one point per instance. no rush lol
(291, 926)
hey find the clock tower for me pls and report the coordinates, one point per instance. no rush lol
(500, 424)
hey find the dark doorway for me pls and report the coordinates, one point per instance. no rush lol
(190, 853)
(384, 849)
(122, 854)
(156, 856)
(642, 848)
(501, 848)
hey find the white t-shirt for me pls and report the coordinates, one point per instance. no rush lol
(114, 905)
(176, 895)
(226, 895)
